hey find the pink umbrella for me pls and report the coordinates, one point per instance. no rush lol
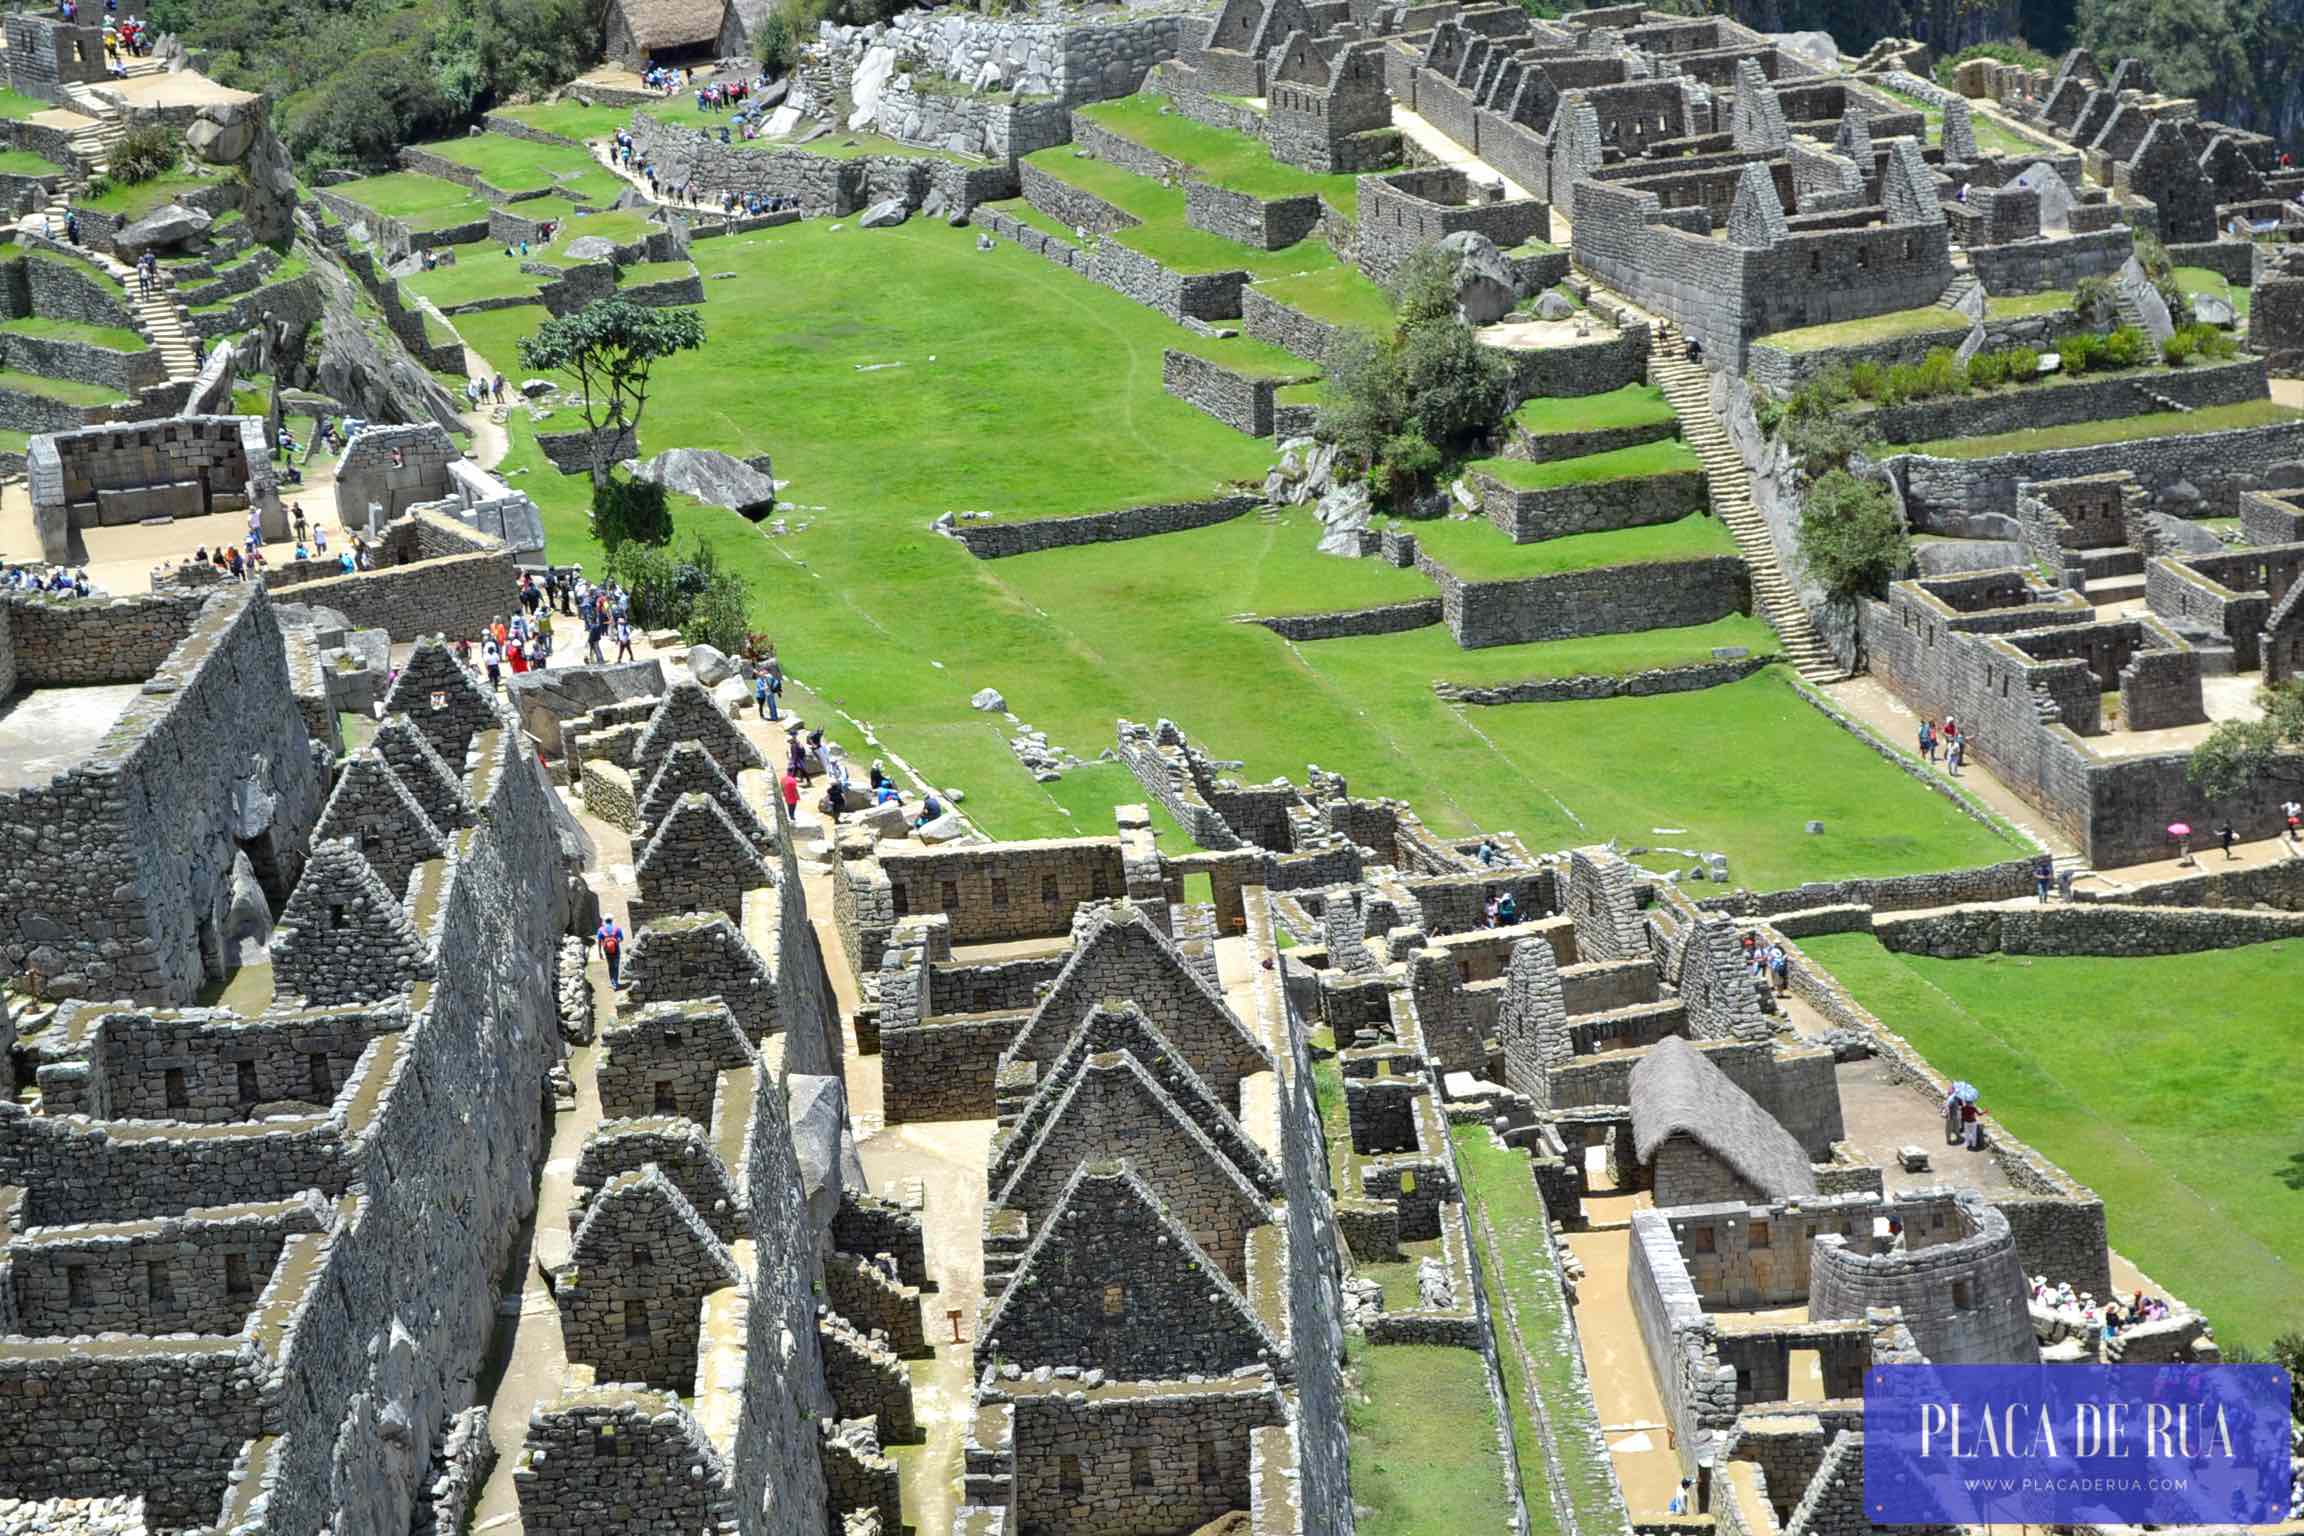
(2179, 829)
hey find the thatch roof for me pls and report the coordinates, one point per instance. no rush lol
(1678, 1091)
(673, 23)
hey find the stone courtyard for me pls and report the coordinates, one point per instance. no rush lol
(578, 1103)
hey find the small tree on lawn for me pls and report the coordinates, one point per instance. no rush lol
(612, 346)
(2239, 753)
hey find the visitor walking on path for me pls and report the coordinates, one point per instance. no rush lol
(492, 656)
(2293, 812)
(2226, 836)
(1927, 741)
(2043, 876)
(611, 940)
(623, 640)
(791, 796)
(1955, 755)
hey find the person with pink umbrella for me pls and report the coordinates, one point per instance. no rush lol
(2182, 832)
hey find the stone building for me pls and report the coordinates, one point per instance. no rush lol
(642, 33)
(1702, 1138)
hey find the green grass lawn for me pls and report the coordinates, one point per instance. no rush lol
(655, 271)
(1339, 295)
(15, 106)
(1021, 210)
(1665, 456)
(1219, 156)
(2172, 1085)
(1054, 416)
(1628, 405)
(483, 272)
(2017, 306)
(70, 391)
(420, 202)
(80, 266)
(1523, 1276)
(22, 162)
(1849, 333)
(1423, 1436)
(1413, 659)
(570, 119)
(117, 338)
(2119, 429)
(1164, 236)
(1475, 549)
(131, 201)
(2207, 280)
(523, 165)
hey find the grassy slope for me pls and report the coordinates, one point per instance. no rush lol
(1164, 236)
(1630, 405)
(2207, 280)
(132, 200)
(71, 391)
(1341, 295)
(1219, 155)
(2168, 1084)
(422, 202)
(117, 338)
(1065, 414)
(1424, 1453)
(2119, 429)
(523, 165)
(1665, 456)
(1477, 550)
(570, 119)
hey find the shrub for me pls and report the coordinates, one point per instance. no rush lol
(1988, 370)
(2077, 352)
(1851, 538)
(688, 592)
(630, 512)
(2011, 51)
(2199, 339)
(776, 46)
(2152, 256)
(144, 152)
(2092, 299)
(2177, 349)
(1823, 443)
(1940, 373)
(2125, 348)
(1864, 379)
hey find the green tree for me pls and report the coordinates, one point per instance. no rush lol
(611, 346)
(2239, 753)
(1851, 538)
(2198, 48)
(776, 46)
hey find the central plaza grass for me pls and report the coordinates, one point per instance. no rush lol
(569, 119)
(2206, 280)
(1026, 391)
(2171, 1085)
(1627, 405)
(1220, 156)
(1474, 549)
(2118, 429)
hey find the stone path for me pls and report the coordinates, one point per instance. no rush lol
(1448, 152)
(1689, 387)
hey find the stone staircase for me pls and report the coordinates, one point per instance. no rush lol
(1688, 386)
(157, 314)
(1956, 294)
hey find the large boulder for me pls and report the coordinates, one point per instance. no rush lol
(171, 224)
(2213, 309)
(1485, 287)
(2177, 535)
(1554, 306)
(885, 214)
(1343, 515)
(592, 248)
(710, 664)
(224, 132)
(987, 698)
(248, 923)
(717, 479)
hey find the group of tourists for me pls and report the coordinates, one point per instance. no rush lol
(1769, 965)
(745, 204)
(1963, 1118)
(523, 642)
(482, 392)
(2080, 1309)
(55, 582)
(722, 95)
(1946, 738)
(1502, 910)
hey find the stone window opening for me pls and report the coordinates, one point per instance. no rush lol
(999, 893)
(323, 1081)
(1211, 1465)
(1116, 1301)
(1911, 248)
(1048, 889)
(336, 915)
(643, 1259)
(1963, 1295)
(237, 1281)
(159, 1283)
(76, 1284)
(1700, 1240)
(672, 1037)
(1139, 1468)
(604, 1443)
(1068, 1478)
(1863, 257)
(245, 1072)
(635, 1319)
(667, 1102)
(1815, 261)
(900, 900)
(949, 894)
(1759, 1236)
(173, 1090)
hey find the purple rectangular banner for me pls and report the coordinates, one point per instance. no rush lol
(2076, 1444)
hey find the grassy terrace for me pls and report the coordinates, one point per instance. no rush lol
(1665, 456)
(2119, 429)
(15, 106)
(2205, 280)
(1060, 412)
(655, 271)
(2190, 1125)
(420, 202)
(1992, 136)
(116, 338)
(1423, 1433)
(1531, 1312)
(569, 119)
(523, 165)
(1339, 295)
(1887, 327)
(1412, 660)
(1629, 405)
(133, 201)
(70, 391)
(1219, 156)
(22, 162)
(1163, 235)
(1474, 549)
(2019, 306)
(81, 266)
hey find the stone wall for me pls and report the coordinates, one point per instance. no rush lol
(1607, 361)
(1606, 600)
(1242, 401)
(2092, 929)
(1966, 1300)
(2221, 464)
(195, 1273)
(1623, 685)
(823, 184)
(1106, 1464)
(1592, 506)
(2022, 408)
(219, 757)
(998, 540)
(1276, 324)
(58, 357)
(1384, 619)
(456, 595)
(2032, 266)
